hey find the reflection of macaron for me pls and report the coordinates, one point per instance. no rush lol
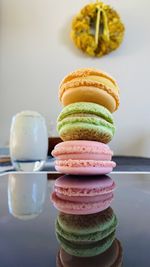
(78, 195)
(86, 235)
(83, 158)
(90, 85)
(86, 121)
(112, 257)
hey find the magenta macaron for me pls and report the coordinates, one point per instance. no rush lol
(81, 157)
(82, 195)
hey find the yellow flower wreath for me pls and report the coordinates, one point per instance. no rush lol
(97, 29)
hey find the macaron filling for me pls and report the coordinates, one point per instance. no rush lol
(85, 245)
(86, 120)
(85, 199)
(86, 238)
(84, 163)
(72, 207)
(68, 191)
(86, 250)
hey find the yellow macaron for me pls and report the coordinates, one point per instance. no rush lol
(90, 85)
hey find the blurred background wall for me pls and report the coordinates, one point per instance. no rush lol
(36, 53)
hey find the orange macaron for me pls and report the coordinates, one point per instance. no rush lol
(90, 85)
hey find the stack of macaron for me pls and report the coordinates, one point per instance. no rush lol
(85, 226)
(86, 123)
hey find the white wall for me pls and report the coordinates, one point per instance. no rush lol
(36, 53)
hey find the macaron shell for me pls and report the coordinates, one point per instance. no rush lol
(80, 208)
(84, 186)
(86, 129)
(90, 149)
(86, 72)
(88, 92)
(86, 108)
(86, 224)
(112, 257)
(88, 250)
(83, 170)
(84, 167)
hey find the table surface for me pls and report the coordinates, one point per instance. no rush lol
(32, 242)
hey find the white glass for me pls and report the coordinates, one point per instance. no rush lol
(28, 141)
(26, 194)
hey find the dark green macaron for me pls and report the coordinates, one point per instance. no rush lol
(86, 121)
(86, 235)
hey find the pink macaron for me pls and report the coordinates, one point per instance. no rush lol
(82, 195)
(81, 157)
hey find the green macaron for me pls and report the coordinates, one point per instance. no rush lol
(86, 235)
(86, 121)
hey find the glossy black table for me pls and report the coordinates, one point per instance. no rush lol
(30, 241)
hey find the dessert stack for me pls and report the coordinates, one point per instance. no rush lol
(86, 123)
(86, 224)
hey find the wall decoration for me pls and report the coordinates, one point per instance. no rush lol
(97, 29)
